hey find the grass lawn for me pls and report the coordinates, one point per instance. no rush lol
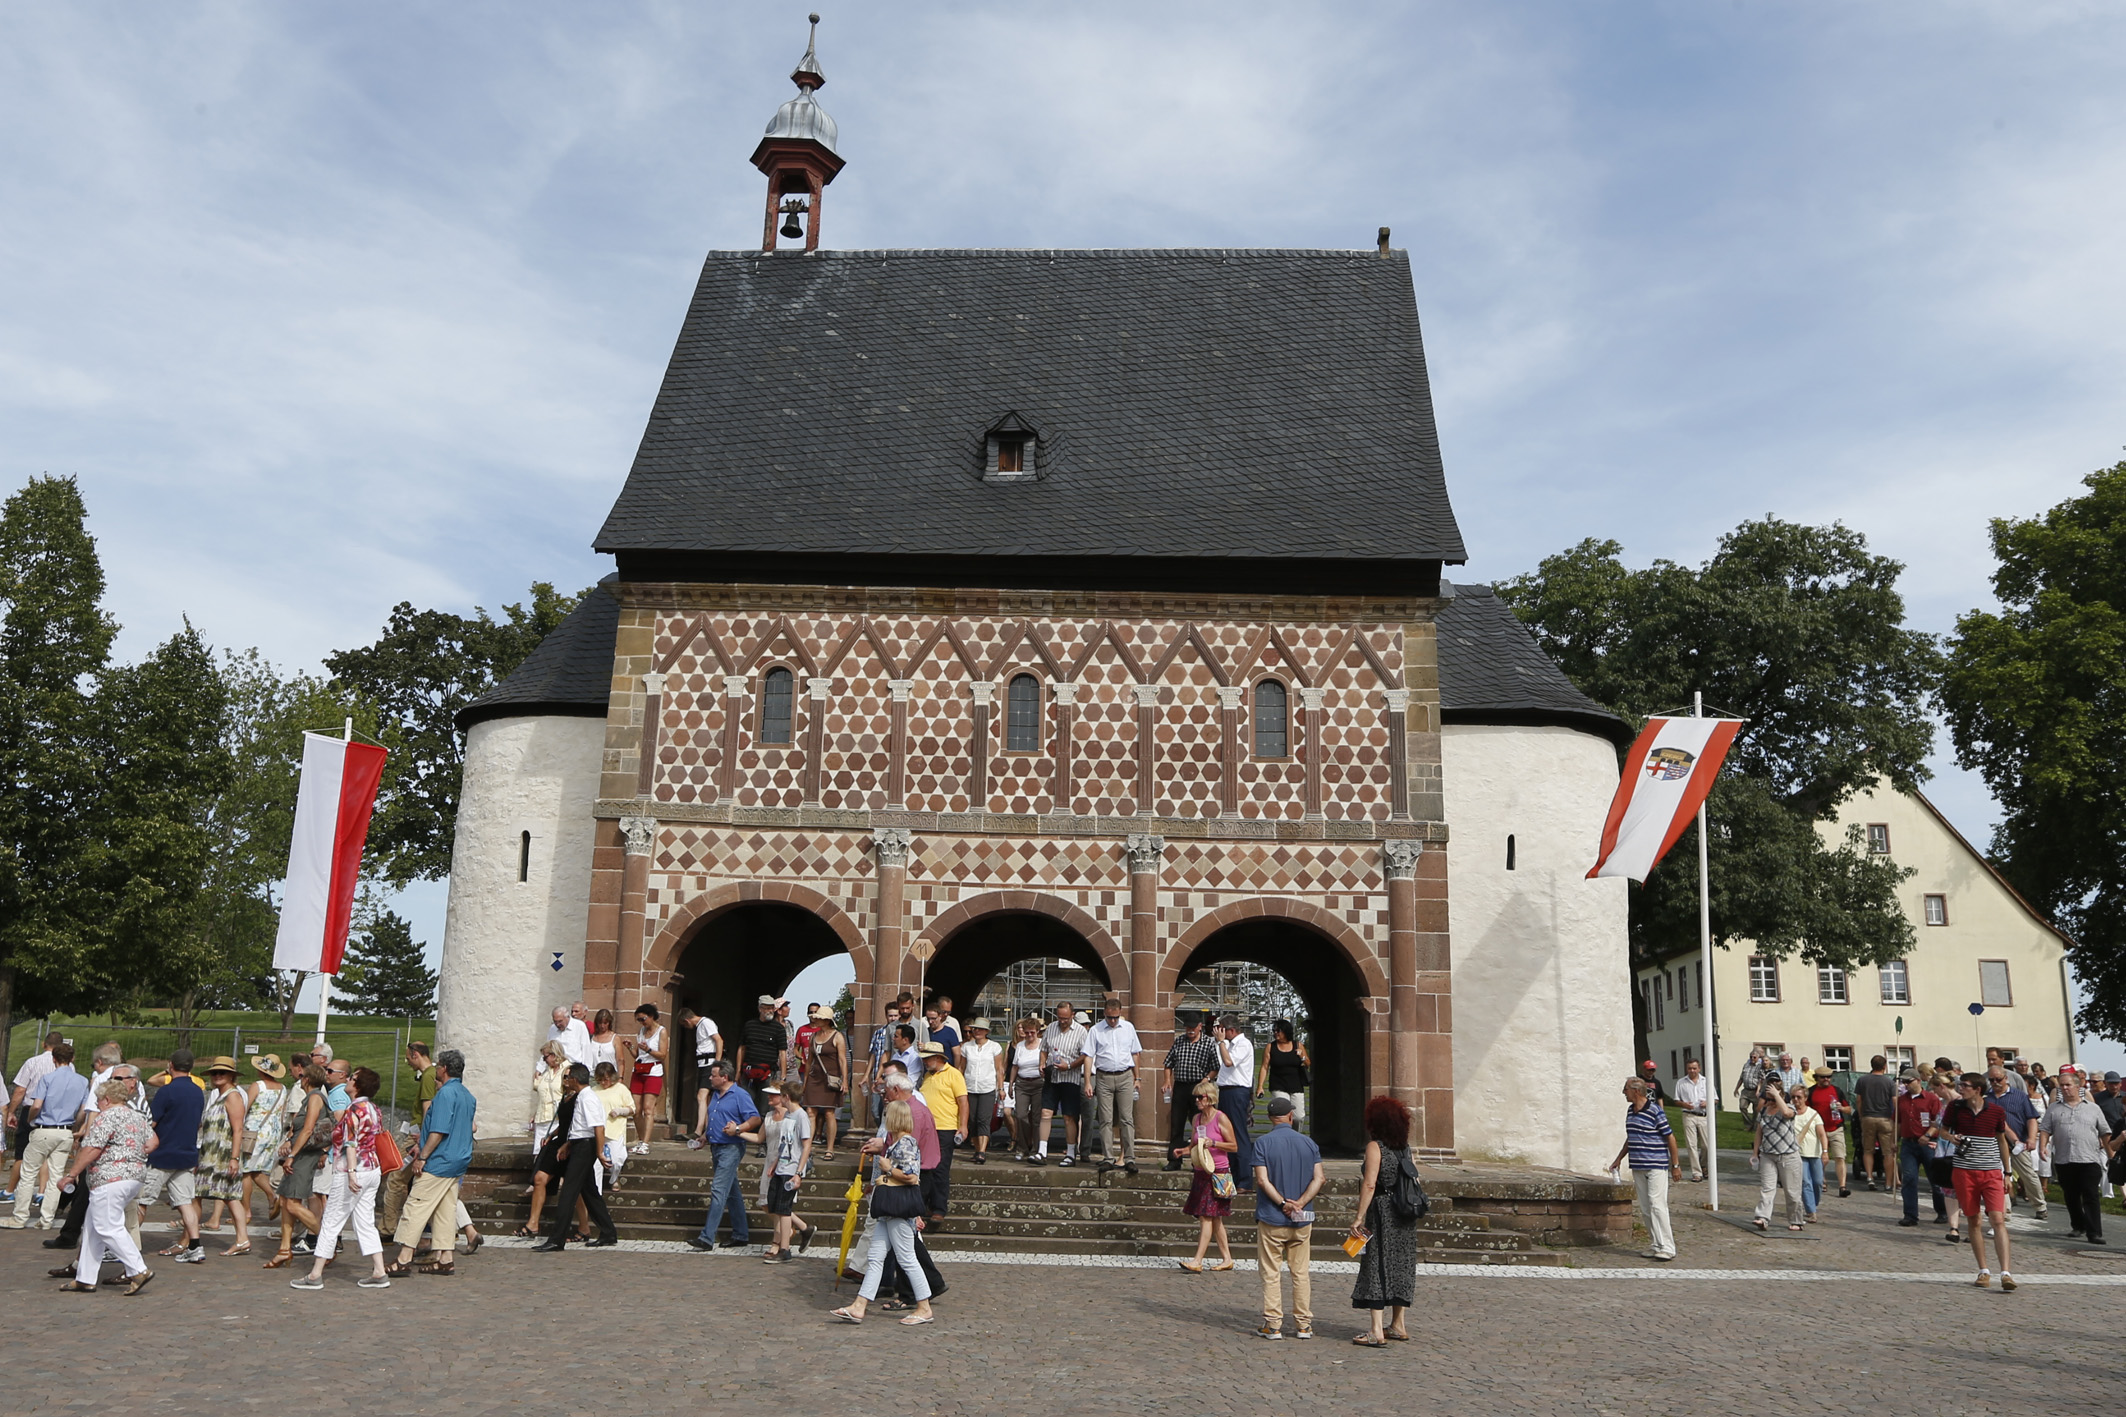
(365, 1042)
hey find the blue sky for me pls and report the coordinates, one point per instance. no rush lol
(332, 307)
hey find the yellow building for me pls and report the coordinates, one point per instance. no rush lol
(1977, 942)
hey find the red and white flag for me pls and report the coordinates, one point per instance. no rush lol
(1670, 768)
(332, 810)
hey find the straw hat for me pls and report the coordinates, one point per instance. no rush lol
(821, 1013)
(223, 1064)
(270, 1064)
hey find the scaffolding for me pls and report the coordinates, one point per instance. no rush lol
(1034, 987)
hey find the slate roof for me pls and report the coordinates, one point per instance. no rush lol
(569, 674)
(1190, 403)
(1492, 671)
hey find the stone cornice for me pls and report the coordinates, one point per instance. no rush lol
(690, 596)
(1007, 824)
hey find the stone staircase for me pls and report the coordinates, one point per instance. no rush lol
(1003, 1206)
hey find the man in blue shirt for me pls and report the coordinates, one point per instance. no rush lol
(1287, 1174)
(48, 1111)
(438, 1168)
(175, 1111)
(1650, 1143)
(2014, 1099)
(730, 1108)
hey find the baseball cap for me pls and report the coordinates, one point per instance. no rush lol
(2111, 1077)
(769, 1089)
(1647, 1064)
(1280, 1107)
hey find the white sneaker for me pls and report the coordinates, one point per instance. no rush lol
(642, 1148)
(195, 1255)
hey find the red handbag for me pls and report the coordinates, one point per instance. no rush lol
(387, 1151)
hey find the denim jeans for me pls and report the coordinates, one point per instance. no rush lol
(1811, 1182)
(723, 1191)
(1912, 1155)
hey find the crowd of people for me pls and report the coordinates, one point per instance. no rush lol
(305, 1138)
(1970, 1143)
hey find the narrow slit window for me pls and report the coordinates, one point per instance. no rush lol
(1509, 851)
(1022, 723)
(1270, 735)
(524, 857)
(775, 696)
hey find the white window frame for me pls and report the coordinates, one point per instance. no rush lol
(1934, 908)
(1846, 1049)
(1883, 828)
(1832, 980)
(1901, 971)
(1899, 1056)
(1770, 965)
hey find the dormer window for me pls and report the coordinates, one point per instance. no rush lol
(1010, 450)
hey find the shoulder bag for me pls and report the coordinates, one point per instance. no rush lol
(1406, 1194)
(896, 1202)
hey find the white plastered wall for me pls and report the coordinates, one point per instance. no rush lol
(1542, 975)
(501, 934)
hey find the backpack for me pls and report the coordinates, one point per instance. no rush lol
(1406, 1194)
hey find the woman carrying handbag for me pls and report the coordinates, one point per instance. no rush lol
(896, 1205)
(1210, 1194)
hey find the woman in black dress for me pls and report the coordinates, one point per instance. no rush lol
(1284, 1070)
(1387, 1267)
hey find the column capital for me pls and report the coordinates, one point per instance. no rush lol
(734, 686)
(1065, 691)
(1229, 695)
(1398, 700)
(900, 689)
(984, 691)
(817, 687)
(1400, 857)
(640, 834)
(1146, 852)
(891, 844)
(653, 684)
(1311, 698)
(1147, 695)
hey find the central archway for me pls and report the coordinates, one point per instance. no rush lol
(978, 939)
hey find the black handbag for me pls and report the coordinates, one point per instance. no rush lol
(896, 1202)
(1941, 1171)
(1406, 1194)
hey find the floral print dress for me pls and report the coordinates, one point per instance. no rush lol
(217, 1148)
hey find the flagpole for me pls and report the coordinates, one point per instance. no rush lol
(1705, 969)
(324, 980)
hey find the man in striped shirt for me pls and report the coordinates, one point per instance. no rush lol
(1650, 1145)
(1983, 1137)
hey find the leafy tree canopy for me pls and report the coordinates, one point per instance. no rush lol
(384, 973)
(2035, 697)
(426, 666)
(1800, 630)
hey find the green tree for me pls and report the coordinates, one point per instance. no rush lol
(426, 666)
(1800, 630)
(162, 766)
(2035, 697)
(54, 639)
(384, 973)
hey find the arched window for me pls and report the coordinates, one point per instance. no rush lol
(1022, 720)
(1270, 736)
(775, 707)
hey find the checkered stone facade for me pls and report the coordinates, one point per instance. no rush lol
(898, 732)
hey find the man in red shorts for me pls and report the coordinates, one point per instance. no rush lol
(1983, 1137)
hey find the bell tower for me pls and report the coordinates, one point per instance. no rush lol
(799, 158)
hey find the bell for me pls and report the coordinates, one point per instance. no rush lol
(790, 225)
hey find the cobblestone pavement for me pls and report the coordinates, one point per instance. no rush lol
(520, 1334)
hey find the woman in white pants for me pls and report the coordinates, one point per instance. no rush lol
(111, 1160)
(351, 1189)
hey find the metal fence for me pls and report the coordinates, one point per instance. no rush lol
(150, 1047)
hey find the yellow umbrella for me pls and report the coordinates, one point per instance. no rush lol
(855, 1196)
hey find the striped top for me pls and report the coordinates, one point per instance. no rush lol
(1646, 1134)
(1977, 1134)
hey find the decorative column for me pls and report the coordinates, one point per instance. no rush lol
(1310, 722)
(1398, 753)
(816, 689)
(985, 697)
(888, 934)
(897, 742)
(1229, 746)
(1420, 993)
(639, 839)
(1147, 855)
(1147, 748)
(1066, 724)
(734, 717)
(652, 729)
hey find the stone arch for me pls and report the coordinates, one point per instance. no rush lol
(672, 940)
(1355, 950)
(1035, 903)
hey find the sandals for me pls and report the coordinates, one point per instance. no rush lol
(1760, 1225)
(243, 1249)
(1220, 1268)
(278, 1260)
(472, 1246)
(138, 1282)
(175, 1250)
(75, 1286)
(524, 1232)
(846, 1317)
(1393, 1337)
(914, 1319)
(441, 1271)
(397, 1269)
(1367, 1340)
(1793, 1227)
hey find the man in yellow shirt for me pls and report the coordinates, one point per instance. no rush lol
(944, 1089)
